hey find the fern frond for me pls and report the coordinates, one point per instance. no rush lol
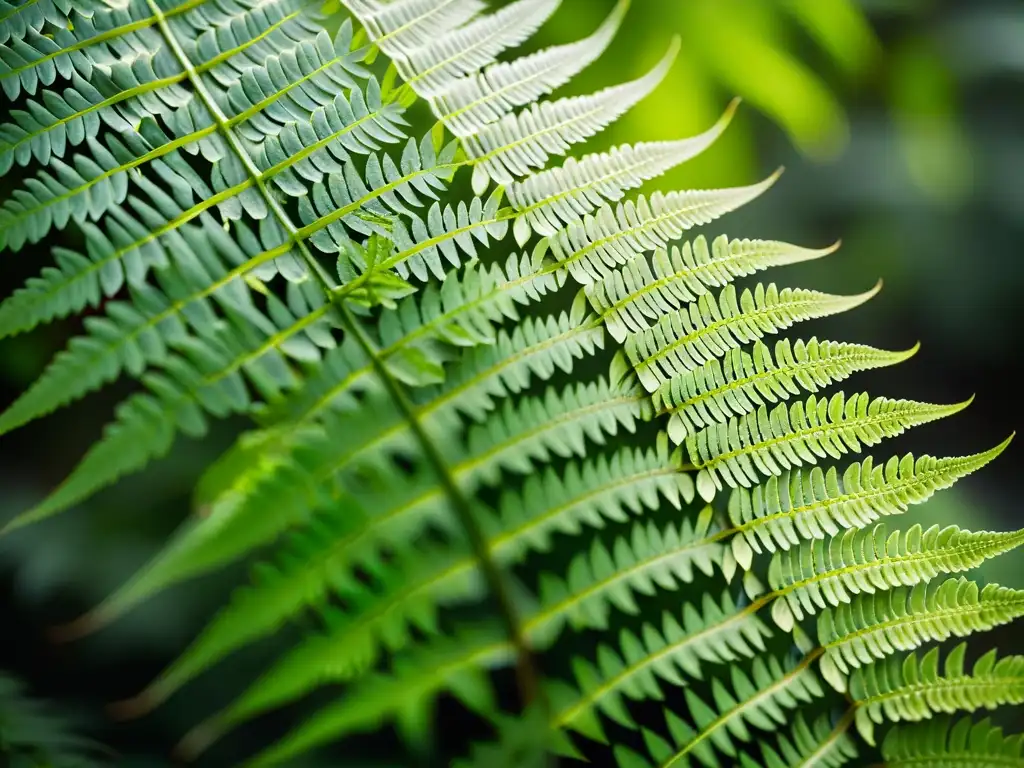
(413, 599)
(135, 337)
(434, 68)
(809, 746)
(812, 504)
(767, 443)
(633, 297)
(584, 494)
(132, 91)
(716, 632)
(551, 199)
(604, 579)
(469, 104)
(459, 313)
(405, 697)
(817, 575)
(684, 340)
(901, 690)
(17, 18)
(875, 626)
(38, 58)
(448, 232)
(418, 448)
(761, 700)
(147, 234)
(400, 28)
(518, 144)
(740, 382)
(943, 743)
(609, 238)
(556, 424)
(511, 440)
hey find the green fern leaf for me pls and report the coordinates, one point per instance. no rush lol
(816, 575)
(813, 504)
(470, 104)
(405, 698)
(634, 297)
(16, 19)
(908, 689)
(739, 383)
(549, 200)
(768, 443)
(947, 744)
(609, 238)
(808, 746)
(434, 68)
(874, 626)
(685, 340)
(630, 482)
(606, 579)
(760, 700)
(717, 632)
(517, 144)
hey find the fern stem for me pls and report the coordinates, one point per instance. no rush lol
(526, 666)
(680, 758)
(841, 727)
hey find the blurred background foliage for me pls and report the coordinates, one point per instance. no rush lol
(900, 122)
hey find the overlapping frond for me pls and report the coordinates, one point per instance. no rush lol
(518, 144)
(761, 699)
(640, 293)
(821, 745)
(812, 504)
(945, 743)
(817, 574)
(610, 237)
(690, 337)
(741, 382)
(766, 443)
(549, 200)
(912, 689)
(719, 631)
(468, 105)
(875, 626)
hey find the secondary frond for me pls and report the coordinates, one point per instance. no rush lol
(812, 504)
(636, 296)
(740, 382)
(761, 700)
(551, 199)
(817, 745)
(688, 338)
(719, 631)
(766, 443)
(470, 104)
(610, 237)
(519, 144)
(910, 689)
(960, 744)
(590, 494)
(817, 574)
(873, 627)
(650, 561)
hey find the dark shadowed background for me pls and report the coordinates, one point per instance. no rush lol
(901, 125)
